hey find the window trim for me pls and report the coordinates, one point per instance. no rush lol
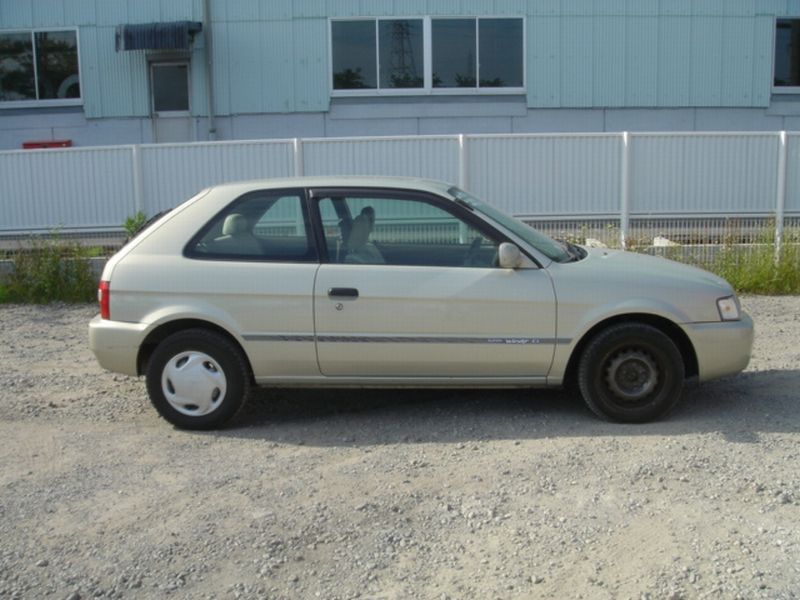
(427, 60)
(52, 102)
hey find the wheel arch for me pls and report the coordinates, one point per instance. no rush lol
(163, 331)
(669, 328)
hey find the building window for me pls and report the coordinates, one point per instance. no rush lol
(354, 48)
(169, 83)
(455, 61)
(787, 53)
(427, 55)
(39, 68)
(400, 57)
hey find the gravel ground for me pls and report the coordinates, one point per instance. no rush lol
(375, 494)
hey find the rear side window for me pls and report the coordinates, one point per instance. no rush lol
(260, 226)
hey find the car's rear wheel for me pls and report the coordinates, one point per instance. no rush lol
(197, 379)
(631, 372)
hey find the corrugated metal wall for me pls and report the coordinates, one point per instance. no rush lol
(73, 189)
(544, 176)
(793, 173)
(527, 175)
(171, 172)
(430, 157)
(272, 57)
(714, 173)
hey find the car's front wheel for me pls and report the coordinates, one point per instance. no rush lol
(631, 372)
(197, 379)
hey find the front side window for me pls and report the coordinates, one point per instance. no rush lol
(38, 66)
(550, 248)
(787, 53)
(265, 226)
(421, 55)
(398, 231)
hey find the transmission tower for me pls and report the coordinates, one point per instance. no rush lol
(403, 66)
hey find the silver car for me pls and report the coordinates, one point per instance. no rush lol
(388, 282)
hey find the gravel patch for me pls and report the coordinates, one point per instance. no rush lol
(401, 494)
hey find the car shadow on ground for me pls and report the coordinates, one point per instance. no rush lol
(739, 408)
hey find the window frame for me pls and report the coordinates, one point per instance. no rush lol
(427, 60)
(51, 102)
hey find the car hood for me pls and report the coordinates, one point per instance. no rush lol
(615, 280)
(651, 269)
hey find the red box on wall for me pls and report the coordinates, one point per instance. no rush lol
(46, 144)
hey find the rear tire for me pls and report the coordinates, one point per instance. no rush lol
(197, 379)
(631, 373)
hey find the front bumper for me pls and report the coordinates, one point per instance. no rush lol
(116, 344)
(722, 348)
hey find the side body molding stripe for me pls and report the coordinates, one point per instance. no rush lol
(366, 339)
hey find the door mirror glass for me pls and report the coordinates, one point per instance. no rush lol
(509, 256)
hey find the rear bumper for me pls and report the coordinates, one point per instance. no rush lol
(722, 348)
(116, 344)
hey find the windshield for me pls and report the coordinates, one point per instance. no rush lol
(549, 247)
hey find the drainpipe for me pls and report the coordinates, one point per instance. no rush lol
(212, 126)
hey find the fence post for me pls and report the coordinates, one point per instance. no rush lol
(624, 200)
(138, 180)
(297, 148)
(781, 196)
(463, 175)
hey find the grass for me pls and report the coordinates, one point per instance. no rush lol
(757, 270)
(134, 223)
(50, 270)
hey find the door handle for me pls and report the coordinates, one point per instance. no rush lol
(342, 292)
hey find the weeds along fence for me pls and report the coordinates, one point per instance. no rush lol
(622, 189)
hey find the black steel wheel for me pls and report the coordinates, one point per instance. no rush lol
(631, 373)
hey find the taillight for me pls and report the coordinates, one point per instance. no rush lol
(103, 298)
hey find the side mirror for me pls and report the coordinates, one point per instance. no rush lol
(509, 256)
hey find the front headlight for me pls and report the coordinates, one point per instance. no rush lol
(728, 308)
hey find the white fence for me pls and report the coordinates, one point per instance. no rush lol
(618, 179)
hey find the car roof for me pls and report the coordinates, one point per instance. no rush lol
(410, 183)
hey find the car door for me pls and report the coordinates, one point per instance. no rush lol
(410, 289)
(253, 267)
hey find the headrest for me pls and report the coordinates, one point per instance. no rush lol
(234, 224)
(359, 232)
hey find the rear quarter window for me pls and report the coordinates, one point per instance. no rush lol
(259, 226)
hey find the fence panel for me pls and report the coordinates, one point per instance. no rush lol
(537, 176)
(80, 188)
(703, 173)
(171, 173)
(428, 157)
(792, 204)
(547, 174)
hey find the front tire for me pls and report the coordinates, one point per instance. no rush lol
(197, 379)
(631, 373)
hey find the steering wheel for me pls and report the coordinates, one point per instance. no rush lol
(471, 257)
